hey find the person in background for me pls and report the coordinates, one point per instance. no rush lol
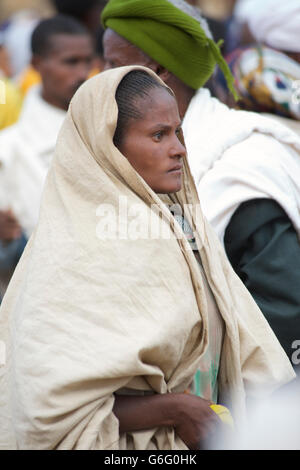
(107, 318)
(88, 13)
(5, 63)
(17, 32)
(62, 52)
(246, 167)
(267, 72)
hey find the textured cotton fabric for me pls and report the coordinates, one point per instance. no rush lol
(236, 156)
(205, 383)
(86, 315)
(171, 37)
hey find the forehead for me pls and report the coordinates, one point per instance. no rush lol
(70, 45)
(119, 50)
(160, 106)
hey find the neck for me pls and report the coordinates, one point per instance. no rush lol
(183, 94)
(54, 102)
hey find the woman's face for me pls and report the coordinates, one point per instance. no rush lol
(151, 144)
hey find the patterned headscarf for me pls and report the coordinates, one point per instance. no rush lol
(266, 80)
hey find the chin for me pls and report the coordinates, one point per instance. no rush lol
(168, 189)
(168, 185)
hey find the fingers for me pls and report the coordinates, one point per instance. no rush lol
(198, 423)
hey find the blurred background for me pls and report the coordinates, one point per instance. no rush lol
(217, 9)
(9, 7)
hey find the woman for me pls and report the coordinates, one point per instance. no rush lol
(108, 325)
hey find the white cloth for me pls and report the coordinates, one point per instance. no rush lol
(236, 156)
(293, 124)
(244, 8)
(273, 22)
(26, 150)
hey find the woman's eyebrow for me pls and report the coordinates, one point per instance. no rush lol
(164, 126)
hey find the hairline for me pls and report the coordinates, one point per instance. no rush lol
(49, 46)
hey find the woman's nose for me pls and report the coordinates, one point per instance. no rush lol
(178, 148)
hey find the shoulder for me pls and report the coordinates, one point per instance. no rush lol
(253, 215)
(253, 147)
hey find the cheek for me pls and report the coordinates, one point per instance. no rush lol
(61, 75)
(132, 147)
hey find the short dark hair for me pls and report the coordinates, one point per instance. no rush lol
(76, 8)
(132, 88)
(59, 24)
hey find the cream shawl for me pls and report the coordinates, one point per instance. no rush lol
(84, 317)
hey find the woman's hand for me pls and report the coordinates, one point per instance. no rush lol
(196, 423)
(191, 417)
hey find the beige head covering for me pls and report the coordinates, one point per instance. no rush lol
(84, 317)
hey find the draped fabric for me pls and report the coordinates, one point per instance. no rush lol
(249, 156)
(87, 314)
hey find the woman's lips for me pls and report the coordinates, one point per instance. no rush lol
(176, 169)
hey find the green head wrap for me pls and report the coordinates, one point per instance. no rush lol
(169, 36)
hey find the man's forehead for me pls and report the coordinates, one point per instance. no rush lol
(69, 44)
(115, 45)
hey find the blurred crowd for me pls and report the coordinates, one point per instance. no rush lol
(37, 87)
(49, 49)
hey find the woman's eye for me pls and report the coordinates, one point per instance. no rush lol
(178, 132)
(158, 135)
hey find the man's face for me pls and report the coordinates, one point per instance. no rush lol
(65, 67)
(118, 52)
(152, 143)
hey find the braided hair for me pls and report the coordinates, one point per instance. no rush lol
(133, 88)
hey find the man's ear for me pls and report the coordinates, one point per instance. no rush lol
(161, 71)
(36, 62)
